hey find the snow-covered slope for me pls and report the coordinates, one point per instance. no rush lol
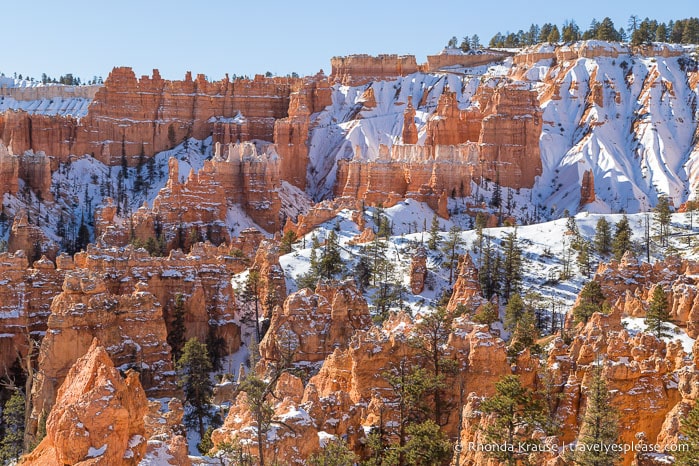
(631, 119)
(45, 99)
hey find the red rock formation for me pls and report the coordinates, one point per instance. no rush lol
(445, 127)
(629, 285)
(418, 271)
(25, 297)
(587, 188)
(320, 213)
(201, 278)
(131, 327)
(9, 172)
(355, 70)
(197, 209)
(409, 135)
(509, 138)
(467, 289)
(98, 419)
(313, 324)
(454, 57)
(122, 114)
(272, 286)
(346, 397)
(30, 238)
(424, 173)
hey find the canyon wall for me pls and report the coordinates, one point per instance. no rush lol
(131, 116)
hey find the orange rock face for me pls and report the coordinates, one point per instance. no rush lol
(587, 188)
(409, 135)
(130, 326)
(31, 239)
(355, 70)
(630, 284)
(467, 289)
(98, 419)
(121, 118)
(418, 271)
(315, 323)
(475, 58)
(25, 299)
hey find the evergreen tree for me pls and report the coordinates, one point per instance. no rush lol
(517, 414)
(607, 31)
(600, 426)
(450, 249)
(513, 312)
(591, 301)
(430, 338)
(176, 337)
(603, 237)
(12, 443)
(689, 454)
(571, 32)
(193, 369)
(489, 271)
(434, 234)
(287, 242)
(410, 385)
(622, 238)
(427, 445)
(662, 216)
(584, 259)
(259, 390)
(487, 314)
(658, 315)
(388, 287)
(330, 260)
(334, 453)
(555, 36)
(251, 296)
(511, 265)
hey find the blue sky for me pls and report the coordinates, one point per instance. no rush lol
(215, 37)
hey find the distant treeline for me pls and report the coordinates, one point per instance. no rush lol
(638, 32)
(67, 79)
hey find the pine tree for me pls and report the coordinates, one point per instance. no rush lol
(688, 455)
(334, 453)
(603, 237)
(330, 263)
(511, 265)
(489, 271)
(584, 259)
(12, 443)
(658, 315)
(430, 338)
(410, 385)
(176, 337)
(427, 445)
(591, 301)
(600, 426)
(251, 296)
(193, 369)
(513, 312)
(622, 238)
(517, 414)
(434, 234)
(450, 249)
(662, 216)
(287, 242)
(555, 36)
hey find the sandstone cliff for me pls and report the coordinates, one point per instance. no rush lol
(98, 419)
(121, 117)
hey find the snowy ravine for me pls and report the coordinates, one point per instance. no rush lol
(638, 136)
